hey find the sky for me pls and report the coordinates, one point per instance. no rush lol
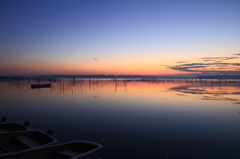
(119, 37)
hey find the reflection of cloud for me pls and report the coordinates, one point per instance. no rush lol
(220, 65)
(234, 101)
(207, 93)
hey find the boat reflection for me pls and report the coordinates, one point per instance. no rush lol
(44, 85)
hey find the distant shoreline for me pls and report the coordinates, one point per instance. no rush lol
(129, 76)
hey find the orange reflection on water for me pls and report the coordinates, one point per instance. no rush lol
(219, 92)
(161, 91)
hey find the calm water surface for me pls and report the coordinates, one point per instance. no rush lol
(134, 119)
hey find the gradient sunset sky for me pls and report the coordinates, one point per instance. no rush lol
(119, 37)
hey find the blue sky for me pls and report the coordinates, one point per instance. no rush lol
(115, 37)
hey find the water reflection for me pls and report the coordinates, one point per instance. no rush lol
(205, 90)
(183, 119)
(225, 92)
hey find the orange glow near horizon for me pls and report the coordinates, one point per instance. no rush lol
(130, 66)
(75, 69)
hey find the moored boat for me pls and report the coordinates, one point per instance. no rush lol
(3, 119)
(44, 85)
(14, 126)
(69, 150)
(17, 141)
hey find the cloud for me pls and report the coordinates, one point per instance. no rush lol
(164, 65)
(236, 64)
(207, 65)
(197, 64)
(95, 59)
(230, 58)
(182, 62)
(211, 57)
(189, 67)
(219, 58)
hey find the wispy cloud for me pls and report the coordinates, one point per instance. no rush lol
(206, 65)
(164, 65)
(182, 62)
(211, 58)
(230, 58)
(219, 58)
(190, 67)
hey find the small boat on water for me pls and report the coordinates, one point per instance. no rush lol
(44, 85)
(17, 141)
(69, 150)
(14, 126)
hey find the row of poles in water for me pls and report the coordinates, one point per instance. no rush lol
(59, 84)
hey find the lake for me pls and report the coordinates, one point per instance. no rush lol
(165, 119)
